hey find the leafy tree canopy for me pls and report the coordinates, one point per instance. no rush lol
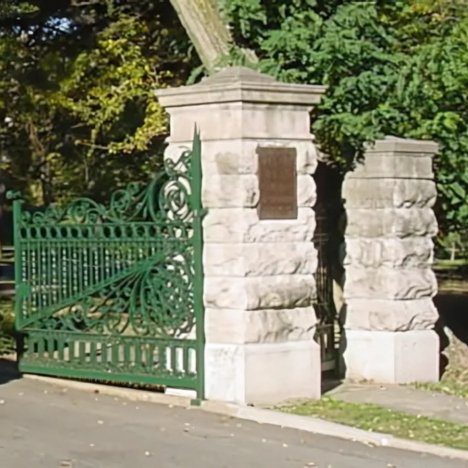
(77, 106)
(392, 68)
(78, 114)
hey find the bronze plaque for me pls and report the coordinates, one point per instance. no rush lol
(278, 183)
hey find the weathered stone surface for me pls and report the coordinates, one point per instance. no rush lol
(239, 120)
(391, 357)
(264, 373)
(225, 372)
(240, 109)
(259, 326)
(230, 191)
(306, 191)
(241, 84)
(282, 371)
(260, 259)
(381, 252)
(390, 315)
(243, 225)
(254, 293)
(391, 145)
(408, 166)
(238, 156)
(306, 155)
(389, 283)
(391, 222)
(389, 193)
(242, 191)
(259, 286)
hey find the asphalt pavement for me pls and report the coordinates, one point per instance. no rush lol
(43, 425)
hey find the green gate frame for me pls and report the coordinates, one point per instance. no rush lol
(115, 293)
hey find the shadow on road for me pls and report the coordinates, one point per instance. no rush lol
(8, 371)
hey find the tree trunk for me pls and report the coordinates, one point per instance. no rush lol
(207, 30)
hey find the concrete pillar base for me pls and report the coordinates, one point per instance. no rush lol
(391, 357)
(262, 373)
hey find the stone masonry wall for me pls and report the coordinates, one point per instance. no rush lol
(389, 283)
(259, 274)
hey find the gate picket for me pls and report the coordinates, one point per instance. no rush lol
(114, 293)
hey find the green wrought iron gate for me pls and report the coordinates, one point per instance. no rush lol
(114, 292)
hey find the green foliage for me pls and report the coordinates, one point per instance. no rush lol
(7, 333)
(10, 9)
(437, 80)
(78, 114)
(109, 93)
(78, 111)
(453, 245)
(398, 68)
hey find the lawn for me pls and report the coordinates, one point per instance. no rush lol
(379, 419)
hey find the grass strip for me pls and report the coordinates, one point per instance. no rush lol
(377, 418)
(449, 387)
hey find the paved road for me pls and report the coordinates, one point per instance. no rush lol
(42, 425)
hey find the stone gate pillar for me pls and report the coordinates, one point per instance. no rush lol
(259, 284)
(389, 285)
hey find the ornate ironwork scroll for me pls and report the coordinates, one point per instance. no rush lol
(114, 291)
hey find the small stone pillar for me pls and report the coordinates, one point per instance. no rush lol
(389, 285)
(259, 283)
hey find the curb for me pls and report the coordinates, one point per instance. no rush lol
(263, 416)
(327, 428)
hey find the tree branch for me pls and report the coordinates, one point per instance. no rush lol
(207, 30)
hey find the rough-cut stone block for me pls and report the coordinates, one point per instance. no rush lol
(389, 283)
(390, 315)
(259, 283)
(389, 193)
(391, 222)
(259, 326)
(389, 357)
(241, 156)
(230, 191)
(306, 191)
(265, 259)
(269, 292)
(262, 373)
(300, 229)
(222, 157)
(408, 166)
(306, 151)
(243, 225)
(237, 156)
(242, 191)
(379, 252)
(392, 145)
